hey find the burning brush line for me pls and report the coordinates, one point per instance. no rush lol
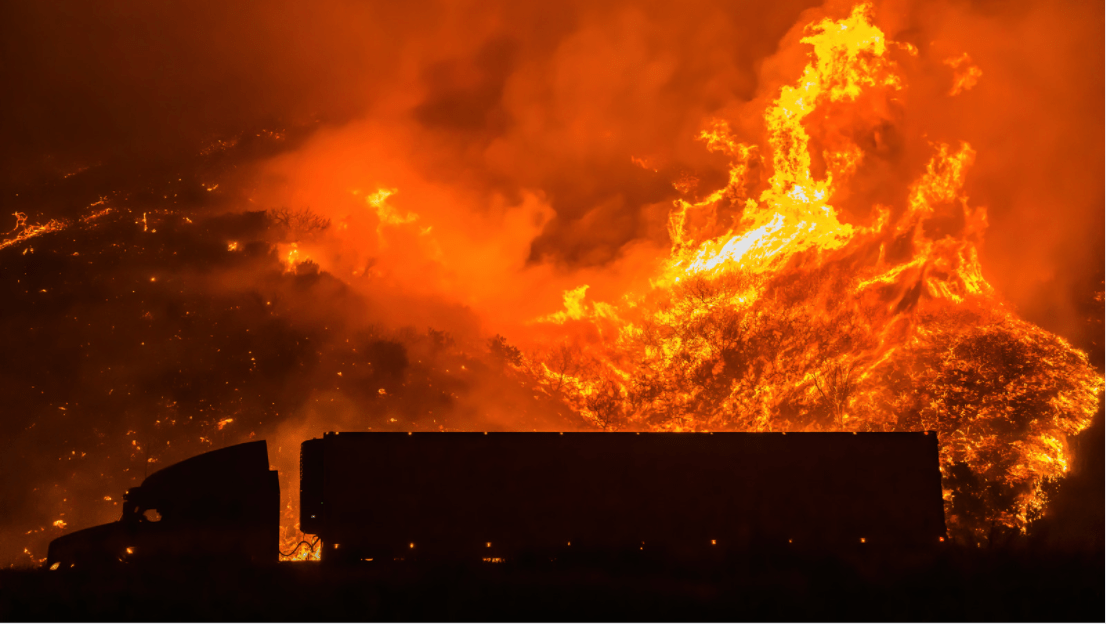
(24, 231)
(791, 320)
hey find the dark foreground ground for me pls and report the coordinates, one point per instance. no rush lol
(949, 583)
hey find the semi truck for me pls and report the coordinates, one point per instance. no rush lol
(497, 496)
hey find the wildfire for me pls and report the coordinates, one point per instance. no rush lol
(791, 320)
(784, 303)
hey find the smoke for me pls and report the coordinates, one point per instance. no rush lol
(473, 162)
(1034, 120)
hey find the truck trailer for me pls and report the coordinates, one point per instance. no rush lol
(388, 496)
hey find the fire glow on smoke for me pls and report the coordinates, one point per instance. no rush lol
(809, 285)
(772, 315)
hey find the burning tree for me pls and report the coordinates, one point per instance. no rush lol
(791, 320)
(296, 224)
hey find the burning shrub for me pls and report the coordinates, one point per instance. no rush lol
(794, 320)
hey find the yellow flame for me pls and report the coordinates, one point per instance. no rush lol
(793, 320)
(965, 73)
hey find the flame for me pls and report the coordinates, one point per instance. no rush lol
(387, 214)
(574, 306)
(304, 548)
(792, 215)
(293, 257)
(776, 308)
(793, 320)
(22, 231)
(965, 73)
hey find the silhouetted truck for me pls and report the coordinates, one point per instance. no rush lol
(476, 496)
(222, 505)
(388, 496)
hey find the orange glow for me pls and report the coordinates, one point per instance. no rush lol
(702, 216)
(22, 231)
(305, 548)
(965, 74)
(796, 321)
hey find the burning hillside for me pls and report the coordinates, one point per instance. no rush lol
(849, 217)
(791, 320)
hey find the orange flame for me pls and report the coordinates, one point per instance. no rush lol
(794, 320)
(22, 231)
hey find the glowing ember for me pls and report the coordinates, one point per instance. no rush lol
(22, 231)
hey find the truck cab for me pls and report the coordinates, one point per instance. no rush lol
(224, 504)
